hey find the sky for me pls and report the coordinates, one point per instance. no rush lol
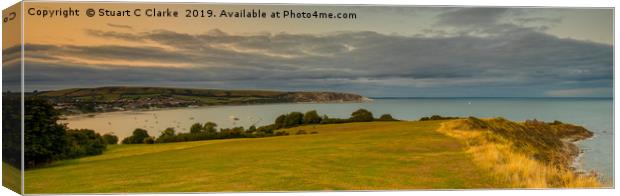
(385, 52)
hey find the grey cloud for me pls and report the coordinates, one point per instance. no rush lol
(367, 62)
(471, 16)
(119, 26)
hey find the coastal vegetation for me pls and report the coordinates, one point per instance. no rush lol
(46, 140)
(438, 117)
(532, 154)
(209, 131)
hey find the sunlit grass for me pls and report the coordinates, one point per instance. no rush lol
(11, 177)
(500, 157)
(353, 156)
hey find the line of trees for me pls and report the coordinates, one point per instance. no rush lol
(209, 131)
(438, 117)
(46, 140)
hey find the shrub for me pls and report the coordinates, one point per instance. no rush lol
(314, 132)
(168, 132)
(293, 119)
(301, 132)
(110, 139)
(280, 121)
(281, 133)
(138, 137)
(210, 127)
(362, 115)
(84, 142)
(148, 140)
(334, 121)
(268, 129)
(437, 117)
(196, 128)
(311, 117)
(386, 117)
(252, 129)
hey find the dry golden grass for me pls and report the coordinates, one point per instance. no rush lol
(512, 166)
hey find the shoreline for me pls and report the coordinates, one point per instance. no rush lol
(88, 115)
(499, 146)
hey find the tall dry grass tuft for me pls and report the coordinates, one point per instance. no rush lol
(499, 146)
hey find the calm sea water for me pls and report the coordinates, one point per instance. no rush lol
(593, 113)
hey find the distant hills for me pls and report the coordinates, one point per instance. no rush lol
(104, 99)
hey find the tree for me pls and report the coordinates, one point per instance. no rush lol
(312, 117)
(44, 139)
(362, 115)
(252, 129)
(12, 129)
(196, 128)
(293, 119)
(386, 117)
(138, 136)
(84, 142)
(110, 139)
(169, 132)
(210, 127)
(148, 140)
(280, 121)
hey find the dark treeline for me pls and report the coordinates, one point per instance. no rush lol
(437, 117)
(46, 140)
(11, 129)
(209, 131)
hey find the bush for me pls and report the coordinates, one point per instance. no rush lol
(293, 119)
(311, 117)
(301, 132)
(196, 128)
(437, 117)
(334, 121)
(252, 129)
(138, 137)
(362, 115)
(281, 133)
(84, 142)
(110, 139)
(314, 132)
(148, 140)
(210, 127)
(386, 117)
(280, 121)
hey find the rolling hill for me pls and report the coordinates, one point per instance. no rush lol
(104, 99)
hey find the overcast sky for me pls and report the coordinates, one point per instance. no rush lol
(385, 52)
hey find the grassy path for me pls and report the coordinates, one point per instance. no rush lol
(354, 156)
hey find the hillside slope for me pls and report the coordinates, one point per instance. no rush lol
(353, 156)
(104, 99)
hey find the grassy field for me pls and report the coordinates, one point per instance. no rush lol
(11, 178)
(353, 156)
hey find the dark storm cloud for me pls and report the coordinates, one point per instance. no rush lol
(510, 57)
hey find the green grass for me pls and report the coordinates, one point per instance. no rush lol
(353, 156)
(11, 177)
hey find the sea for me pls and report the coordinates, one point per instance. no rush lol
(595, 114)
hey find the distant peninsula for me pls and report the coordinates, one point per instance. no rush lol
(122, 98)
